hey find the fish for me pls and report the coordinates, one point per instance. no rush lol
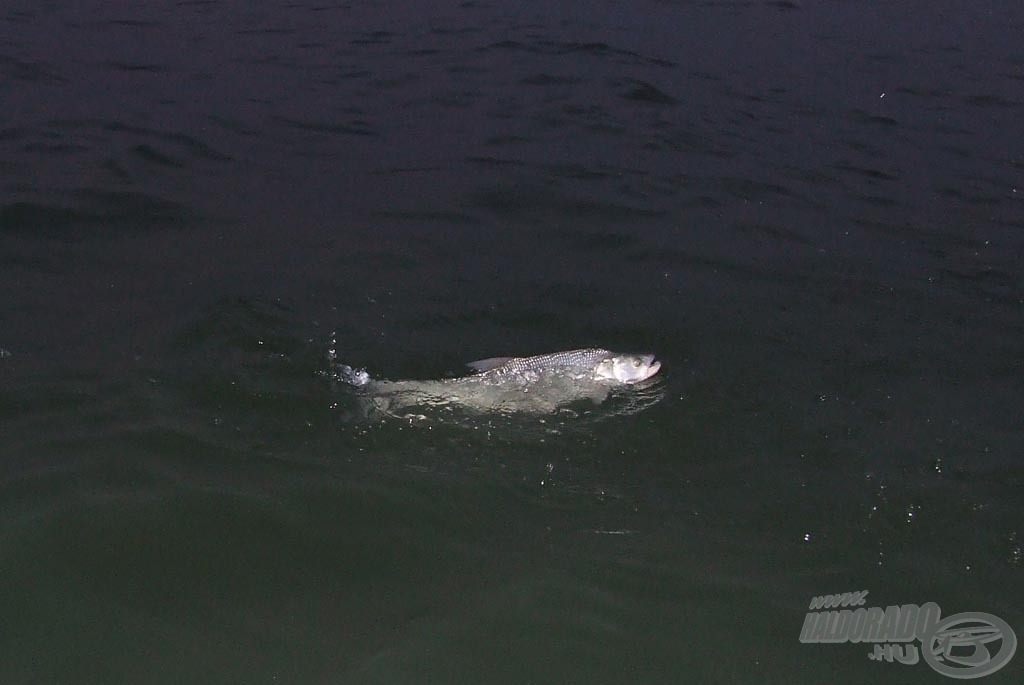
(539, 384)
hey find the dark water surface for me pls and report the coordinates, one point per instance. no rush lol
(813, 212)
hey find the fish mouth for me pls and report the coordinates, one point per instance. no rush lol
(652, 367)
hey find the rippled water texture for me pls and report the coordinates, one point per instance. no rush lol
(812, 212)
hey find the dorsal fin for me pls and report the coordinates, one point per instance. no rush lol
(488, 364)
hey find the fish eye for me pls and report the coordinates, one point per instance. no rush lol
(636, 363)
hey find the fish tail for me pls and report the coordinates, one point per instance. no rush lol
(343, 373)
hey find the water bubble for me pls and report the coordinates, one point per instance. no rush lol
(1016, 555)
(911, 512)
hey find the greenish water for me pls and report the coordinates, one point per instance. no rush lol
(811, 213)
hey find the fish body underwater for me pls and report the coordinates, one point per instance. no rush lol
(540, 384)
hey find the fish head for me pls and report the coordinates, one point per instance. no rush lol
(627, 368)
